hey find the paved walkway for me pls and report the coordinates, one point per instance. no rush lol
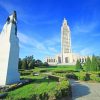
(85, 91)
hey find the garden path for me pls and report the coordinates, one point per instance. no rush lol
(85, 90)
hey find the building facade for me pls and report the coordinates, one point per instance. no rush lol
(66, 57)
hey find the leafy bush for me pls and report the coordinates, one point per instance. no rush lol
(87, 76)
(62, 90)
(71, 75)
(42, 71)
(98, 74)
(60, 71)
(3, 95)
(94, 77)
(82, 77)
(24, 73)
(53, 77)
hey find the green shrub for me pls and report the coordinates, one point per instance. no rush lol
(98, 74)
(82, 77)
(87, 76)
(62, 90)
(3, 95)
(24, 73)
(42, 71)
(94, 77)
(60, 71)
(53, 77)
(71, 75)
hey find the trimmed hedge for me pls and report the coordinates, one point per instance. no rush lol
(42, 71)
(24, 73)
(53, 77)
(94, 77)
(71, 76)
(60, 71)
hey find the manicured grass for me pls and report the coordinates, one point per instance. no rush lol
(56, 68)
(61, 67)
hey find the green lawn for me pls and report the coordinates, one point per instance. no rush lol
(62, 67)
(56, 68)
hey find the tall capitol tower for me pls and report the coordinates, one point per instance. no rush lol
(66, 56)
(65, 39)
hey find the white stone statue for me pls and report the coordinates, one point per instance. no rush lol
(9, 52)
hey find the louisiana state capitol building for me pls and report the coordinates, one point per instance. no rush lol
(66, 57)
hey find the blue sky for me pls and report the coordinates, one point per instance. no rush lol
(39, 25)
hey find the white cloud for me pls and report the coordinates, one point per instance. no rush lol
(86, 51)
(31, 45)
(6, 6)
(53, 41)
(30, 41)
(52, 49)
(84, 27)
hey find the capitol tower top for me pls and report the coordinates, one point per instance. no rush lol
(65, 38)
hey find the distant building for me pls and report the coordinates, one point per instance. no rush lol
(66, 57)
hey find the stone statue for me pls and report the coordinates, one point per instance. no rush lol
(13, 19)
(9, 51)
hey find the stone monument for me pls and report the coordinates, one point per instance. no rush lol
(9, 52)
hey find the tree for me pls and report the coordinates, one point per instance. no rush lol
(24, 64)
(30, 61)
(31, 64)
(45, 64)
(98, 61)
(94, 64)
(78, 65)
(20, 63)
(38, 63)
(87, 64)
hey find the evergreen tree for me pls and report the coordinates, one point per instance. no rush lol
(87, 64)
(78, 65)
(94, 64)
(98, 61)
